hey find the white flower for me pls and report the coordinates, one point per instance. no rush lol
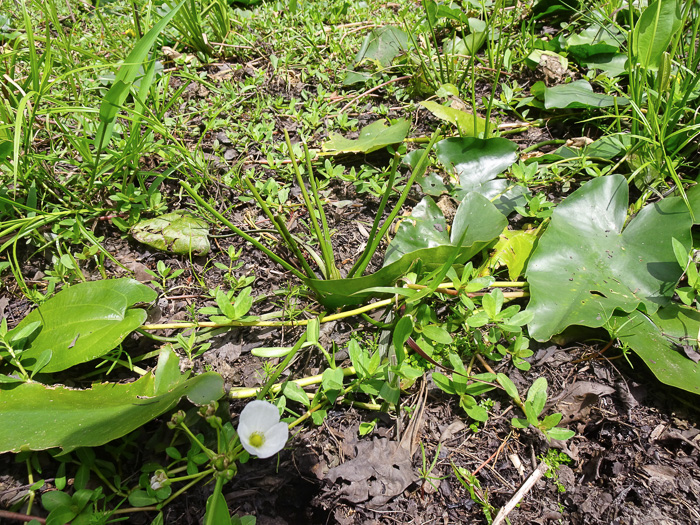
(260, 430)
(159, 480)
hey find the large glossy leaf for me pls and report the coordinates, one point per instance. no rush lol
(372, 138)
(654, 31)
(658, 339)
(85, 321)
(422, 237)
(585, 266)
(476, 163)
(36, 417)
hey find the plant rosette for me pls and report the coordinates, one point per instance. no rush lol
(260, 430)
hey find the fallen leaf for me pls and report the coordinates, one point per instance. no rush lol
(381, 470)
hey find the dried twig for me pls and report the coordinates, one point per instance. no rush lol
(520, 494)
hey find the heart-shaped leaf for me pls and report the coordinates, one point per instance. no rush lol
(84, 321)
(585, 266)
(382, 45)
(372, 138)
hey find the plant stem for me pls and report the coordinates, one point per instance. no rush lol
(281, 227)
(303, 322)
(304, 381)
(284, 264)
(420, 169)
(367, 254)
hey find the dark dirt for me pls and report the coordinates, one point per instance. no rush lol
(635, 457)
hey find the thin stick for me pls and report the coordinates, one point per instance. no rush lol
(520, 494)
(398, 79)
(20, 517)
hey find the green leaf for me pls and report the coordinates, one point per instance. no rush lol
(294, 392)
(359, 358)
(53, 499)
(372, 138)
(217, 509)
(61, 515)
(389, 393)
(680, 252)
(332, 382)
(176, 232)
(560, 433)
(578, 94)
(419, 241)
(551, 421)
(658, 340)
(508, 386)
(402, 331)
(437, 333)
(116, 96)
(426, 229)
(513, 249)
(585, 266)
(444, 383)
(476, 163)
(518, 422)
(654, 31)
(224, 304)
(140, 498)
(84, 321)
(473, 410)
(36, 417)
(537, 395)
(382, 45)
(332, 379)
(468, 124)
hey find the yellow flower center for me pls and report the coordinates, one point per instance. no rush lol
(257, 439)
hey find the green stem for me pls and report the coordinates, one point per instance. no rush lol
(540, 144)
(220, 481)
(303, 322)
(284, 264)
(281, 227)
(419, 170)
(303, 382)
(327, 257)
(366, 256)
(331, 269)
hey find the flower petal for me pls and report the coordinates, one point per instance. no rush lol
(275, 439)
(259, 415)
